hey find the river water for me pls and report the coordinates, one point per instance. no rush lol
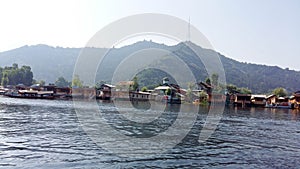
(48, 134)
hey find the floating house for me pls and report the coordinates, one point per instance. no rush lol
(85, 93)
(242, 100)
(166, 94)
(121, 90)
(31, 94)
(124, 86)
(139, 96)
(295, 99)
(3, 90)
(59, 92)
(218, 98)
(282, 99)
(207, 88)
(169, 93)
(271, 99)
(211, 95)
(21, 87)
(104, 92)
(37, 87)
(258, 100)
(38, 91)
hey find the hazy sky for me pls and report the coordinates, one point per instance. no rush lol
(256, 31)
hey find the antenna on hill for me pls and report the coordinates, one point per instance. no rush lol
(189, 31)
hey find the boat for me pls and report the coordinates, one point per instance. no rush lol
(30, 94)
(283, 105)
(2, 92)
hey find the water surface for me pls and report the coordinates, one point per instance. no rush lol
(47, 134)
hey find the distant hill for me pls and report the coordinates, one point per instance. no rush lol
(48, 63)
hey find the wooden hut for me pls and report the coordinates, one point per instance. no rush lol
(242, 100)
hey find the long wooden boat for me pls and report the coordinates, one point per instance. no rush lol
(31, 94)
(280, 106)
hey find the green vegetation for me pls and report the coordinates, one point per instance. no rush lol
(208, 81)
(280, 92)
(99, 83)
(49, 63)
(4, 80)
(135, 85)
(41, 82)
(144, 89)
(168, 92)
(231, 89)
(189, 92)
(215, 79)
(76, 82)
(151, 78)
(62, 82)
(14, 75)
(244, 90)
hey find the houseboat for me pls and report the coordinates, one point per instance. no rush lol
(139, 96)
(285, 105)
(258, 100)
(296, 99)
(3, 90)
(104, 92)
(83, 93)
(166, 94)
(38, 92)
(242, 100)
(59, 92)
(31, 94)
(281, 102)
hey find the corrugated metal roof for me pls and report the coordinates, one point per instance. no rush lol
(258, 96)
(162, 88)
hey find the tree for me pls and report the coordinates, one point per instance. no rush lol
(76, 82)
(144, 89)
(99, 83)
(280, 92)
(27, 75)
(231, 89)
(62, 82)
(202, 94)
(135, 85)
(15, 75)
(244, 90)
(42, 82)
(168, 92)
(189, 92)
(215, 79)
(4, 80)
(15, 66)
(1, 70)
(207, 81)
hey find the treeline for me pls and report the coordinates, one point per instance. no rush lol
(13, 75)
(152, 78)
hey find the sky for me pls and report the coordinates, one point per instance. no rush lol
(253, 31)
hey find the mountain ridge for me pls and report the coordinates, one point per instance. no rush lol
(48, 63)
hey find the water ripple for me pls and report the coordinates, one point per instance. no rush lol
(47, 134)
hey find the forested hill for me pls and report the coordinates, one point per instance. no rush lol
(260, 78)
(48, 63)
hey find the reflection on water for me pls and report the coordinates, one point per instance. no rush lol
(131, 128)
(47, 134)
